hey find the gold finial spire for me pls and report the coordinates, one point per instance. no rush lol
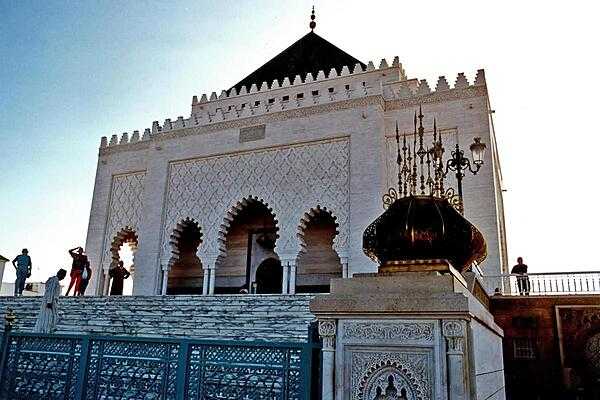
(312, 24)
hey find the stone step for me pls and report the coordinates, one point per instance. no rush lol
(231, 317)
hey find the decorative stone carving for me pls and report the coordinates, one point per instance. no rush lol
(124, 210)
(379, 375)
(592, 353)
(402, 331)
(327, 329)
(290, 179)
(454, 333)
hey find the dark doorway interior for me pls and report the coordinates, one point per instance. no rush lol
(269, 276)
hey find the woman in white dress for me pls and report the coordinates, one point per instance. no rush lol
(48, 316)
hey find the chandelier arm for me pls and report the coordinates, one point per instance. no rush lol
(470, 168)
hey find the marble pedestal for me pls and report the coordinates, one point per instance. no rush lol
(410, 336)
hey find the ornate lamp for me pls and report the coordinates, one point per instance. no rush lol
(423, 222)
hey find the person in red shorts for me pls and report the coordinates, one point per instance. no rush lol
(80, 262)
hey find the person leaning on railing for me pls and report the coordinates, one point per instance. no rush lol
(523, 283)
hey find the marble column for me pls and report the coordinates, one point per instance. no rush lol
(210, 264)
(454, 333)
(345, 272)
(292, 276)
(165, 280)
(205, 273)
(106, 281)
(327, 332)
(285, 278)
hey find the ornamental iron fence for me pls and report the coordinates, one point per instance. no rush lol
(548, 283)
(35, 366)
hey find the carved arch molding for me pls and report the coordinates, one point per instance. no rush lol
(291, 179)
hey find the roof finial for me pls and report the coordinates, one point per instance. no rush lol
(312, 24)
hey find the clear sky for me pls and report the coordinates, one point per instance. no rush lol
(73, 71)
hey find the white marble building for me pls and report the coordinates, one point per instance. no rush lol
(305, 136)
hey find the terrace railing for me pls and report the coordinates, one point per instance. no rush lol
(547, 283)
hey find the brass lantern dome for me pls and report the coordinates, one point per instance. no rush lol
(423, 221)
(423, 228)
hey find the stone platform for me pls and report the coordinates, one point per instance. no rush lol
(223, 317)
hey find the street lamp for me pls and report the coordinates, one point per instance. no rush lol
(422, 170)
(460, 164)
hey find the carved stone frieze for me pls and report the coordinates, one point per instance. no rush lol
(403, 374)
(397, 331)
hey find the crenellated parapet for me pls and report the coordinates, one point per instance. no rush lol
(388, 83)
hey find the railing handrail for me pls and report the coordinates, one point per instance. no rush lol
(543, 274)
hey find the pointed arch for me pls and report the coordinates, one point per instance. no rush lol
(126, 235)
(247, 236)
(185, 275)
(234, 211)
(318, 261)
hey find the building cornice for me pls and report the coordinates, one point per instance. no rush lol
(372, 100)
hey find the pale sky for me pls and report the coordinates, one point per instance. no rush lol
(71, 72)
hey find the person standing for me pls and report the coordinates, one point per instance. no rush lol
(79, 262)
(22, 264)
(85, 279)
(48, 316)
(523, 283)
(118, 275)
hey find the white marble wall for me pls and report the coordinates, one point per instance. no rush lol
(363, 122)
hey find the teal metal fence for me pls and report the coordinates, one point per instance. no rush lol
(34, 366)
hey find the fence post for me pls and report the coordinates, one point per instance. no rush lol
(80, 385)
(182, 356)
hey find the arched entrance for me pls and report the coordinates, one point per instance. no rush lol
(318, 263)
(269, 275)
(249, 240)
(122, 249)
(185, 273)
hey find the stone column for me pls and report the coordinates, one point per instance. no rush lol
(210, 264)
(205, 273)
(105, 287)
(454, 333)
(289, 266)
(345, 272)
(327, 331)
(285, 278)
(165, 279)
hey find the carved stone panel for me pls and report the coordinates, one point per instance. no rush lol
(386, 331)
(405, 374)
(124, 210)
(289, 179)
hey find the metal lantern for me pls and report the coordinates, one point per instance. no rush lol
(478, 151)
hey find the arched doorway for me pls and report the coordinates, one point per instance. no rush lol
(269, 275)
(122, 249)
(249, 240)
(185, 273)
(319, 263)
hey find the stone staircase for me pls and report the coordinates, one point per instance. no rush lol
(222, 317)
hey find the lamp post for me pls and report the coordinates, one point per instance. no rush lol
(460, 164)
(422, 170)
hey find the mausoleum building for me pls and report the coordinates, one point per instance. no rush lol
(268, 186)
